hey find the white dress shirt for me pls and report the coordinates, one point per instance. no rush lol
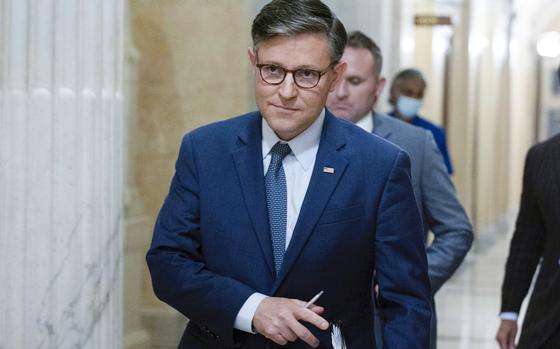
(366, 122)
(298, 167)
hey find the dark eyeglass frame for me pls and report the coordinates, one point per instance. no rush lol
(286, 71)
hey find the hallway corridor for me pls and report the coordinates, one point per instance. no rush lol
(469, 303)
(96, 98)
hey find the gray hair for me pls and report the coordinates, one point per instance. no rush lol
(357, 39)
(407, 74)
(293, 17)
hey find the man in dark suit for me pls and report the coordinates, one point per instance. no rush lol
(354, 99)
(267, 209)
(536, 238)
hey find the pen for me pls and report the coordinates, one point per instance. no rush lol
(313, 300)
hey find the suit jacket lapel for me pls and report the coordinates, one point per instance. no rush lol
(249, 165)
(321, 186)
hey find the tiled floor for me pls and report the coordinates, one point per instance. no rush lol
(468, 304)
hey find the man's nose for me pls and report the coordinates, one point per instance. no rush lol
(341, 91)
(288, 88)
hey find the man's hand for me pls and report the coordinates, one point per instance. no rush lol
(506, 334)
(278, 320)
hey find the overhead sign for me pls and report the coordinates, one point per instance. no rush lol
(422, 20)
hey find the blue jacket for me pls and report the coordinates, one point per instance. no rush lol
(211, 247)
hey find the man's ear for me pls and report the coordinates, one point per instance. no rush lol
(381, 81)
(252, 56)
(338, 70)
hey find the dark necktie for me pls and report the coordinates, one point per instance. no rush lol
(277, 201)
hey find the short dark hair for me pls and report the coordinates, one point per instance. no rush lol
(357, 39)
(293, 17)
(407, 74)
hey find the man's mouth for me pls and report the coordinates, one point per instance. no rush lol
(285, 108)
(340, 106)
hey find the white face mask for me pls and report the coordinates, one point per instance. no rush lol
(408, 107)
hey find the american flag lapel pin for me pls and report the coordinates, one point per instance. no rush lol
(327, 169)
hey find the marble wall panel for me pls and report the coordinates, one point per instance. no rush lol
(61, 141)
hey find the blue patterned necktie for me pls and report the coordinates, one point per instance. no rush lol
(277, 201)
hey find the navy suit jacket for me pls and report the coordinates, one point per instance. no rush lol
(211, 247)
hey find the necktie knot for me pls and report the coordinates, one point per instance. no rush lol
(280, 150)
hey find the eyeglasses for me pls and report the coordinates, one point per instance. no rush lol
(305, 78)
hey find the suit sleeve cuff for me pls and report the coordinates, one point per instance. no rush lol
(244, 318)
(509, 315)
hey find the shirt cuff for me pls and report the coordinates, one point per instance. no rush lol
(244, 319)
(509, 315)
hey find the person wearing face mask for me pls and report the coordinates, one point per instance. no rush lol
(406, 95)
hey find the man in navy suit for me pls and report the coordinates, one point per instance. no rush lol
(269, 208)
(354, 99)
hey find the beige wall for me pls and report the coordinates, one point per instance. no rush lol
(192, 69)
(460, 128)
(533, 18)
(379, 19)
(488, 28)
(478, 118)
(492, 97)
(188, 66)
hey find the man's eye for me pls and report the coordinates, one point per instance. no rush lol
(355, 81)
(272, 68)
(307, 73)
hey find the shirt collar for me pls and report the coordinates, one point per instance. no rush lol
(366, 122)
(304, 146)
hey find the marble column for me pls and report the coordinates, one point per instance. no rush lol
(61, 117)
